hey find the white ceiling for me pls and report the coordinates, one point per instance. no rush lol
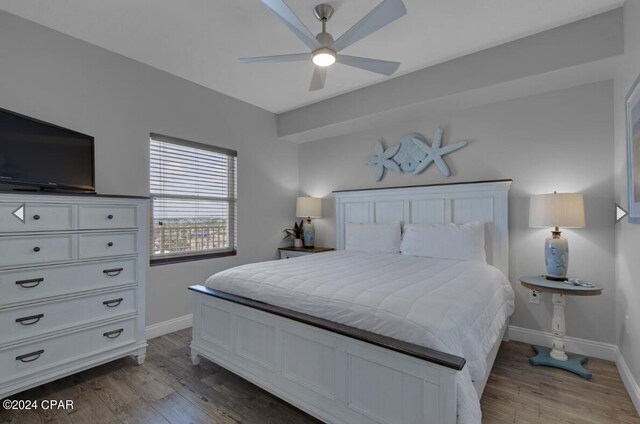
(201, 40)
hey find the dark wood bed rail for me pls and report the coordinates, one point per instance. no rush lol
(426, 354)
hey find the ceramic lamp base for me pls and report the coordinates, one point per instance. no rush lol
(308, 233)
(556, 257)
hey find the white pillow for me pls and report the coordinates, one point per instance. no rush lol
(447, 241)
(373, 238)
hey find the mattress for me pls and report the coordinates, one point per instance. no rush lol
(458, 307)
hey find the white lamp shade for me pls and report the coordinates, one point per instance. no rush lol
(309, 207)
(557, 210)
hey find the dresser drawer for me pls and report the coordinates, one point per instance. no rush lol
(103, 245)
(107, 217)
(35, 249)
(31, 358)
(31, 285)
(37, 217)
(39, 319)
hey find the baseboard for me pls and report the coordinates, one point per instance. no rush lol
(166, 327)
(629, 382)
(590, 348)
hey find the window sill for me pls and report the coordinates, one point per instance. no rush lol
(190, 258)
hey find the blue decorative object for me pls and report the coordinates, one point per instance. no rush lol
(409, 156)
(413, 154)
(308, 233)
(556, 255)
(382, 159)
(435, 153)
(573, 363)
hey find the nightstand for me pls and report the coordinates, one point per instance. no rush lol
(556, 356)
(294, 252)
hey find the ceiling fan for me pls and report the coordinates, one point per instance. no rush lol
(324, 50)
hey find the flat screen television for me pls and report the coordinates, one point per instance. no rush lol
(44, 156)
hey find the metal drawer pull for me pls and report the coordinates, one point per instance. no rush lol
(113, 271)
(110, 216)
(23, 358)
(113, 334)
(34, 283)
(24, 320)
(110, 303)
(110, 244)
(36, 217)
(36, 249)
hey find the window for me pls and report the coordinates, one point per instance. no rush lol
(193, 200)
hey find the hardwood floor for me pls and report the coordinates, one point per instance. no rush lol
(518, 392)
(169, 389)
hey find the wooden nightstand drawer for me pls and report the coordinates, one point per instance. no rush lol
(295, 252)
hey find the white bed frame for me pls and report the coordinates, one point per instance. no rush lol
(338, 378)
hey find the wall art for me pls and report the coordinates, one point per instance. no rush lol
(413, 154)
(633, 151)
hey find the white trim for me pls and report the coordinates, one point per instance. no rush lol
(586, 347)
(630, 383)
(166, 327)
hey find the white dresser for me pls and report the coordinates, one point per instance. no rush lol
(72, 281)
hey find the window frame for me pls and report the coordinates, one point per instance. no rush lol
(232, 181)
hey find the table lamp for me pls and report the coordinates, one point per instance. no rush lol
(556, 210)
(309, 207)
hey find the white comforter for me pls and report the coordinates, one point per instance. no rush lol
(453, 306)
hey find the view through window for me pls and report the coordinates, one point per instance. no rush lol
(193, 196)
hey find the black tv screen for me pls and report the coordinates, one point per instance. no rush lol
(43, 155)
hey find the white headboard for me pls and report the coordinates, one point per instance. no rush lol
(435, 204)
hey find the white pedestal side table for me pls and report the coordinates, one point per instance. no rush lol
(556, 355)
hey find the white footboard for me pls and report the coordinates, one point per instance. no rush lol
(335, 378)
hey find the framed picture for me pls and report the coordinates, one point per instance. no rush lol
(633, 151)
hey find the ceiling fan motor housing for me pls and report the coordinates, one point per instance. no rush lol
(325, 39)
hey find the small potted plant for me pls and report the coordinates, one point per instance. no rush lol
(296, 233)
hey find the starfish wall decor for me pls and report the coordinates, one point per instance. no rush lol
(413, 154)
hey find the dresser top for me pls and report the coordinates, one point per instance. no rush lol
(83, 195)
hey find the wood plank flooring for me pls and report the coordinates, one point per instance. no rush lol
(169, 389)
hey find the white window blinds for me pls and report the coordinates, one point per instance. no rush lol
(193, 193)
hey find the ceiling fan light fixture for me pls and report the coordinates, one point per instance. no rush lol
(324, 57)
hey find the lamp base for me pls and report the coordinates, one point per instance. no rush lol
(309, 233)
(556, 257)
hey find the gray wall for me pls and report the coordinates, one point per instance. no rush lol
(555, 141)
(627, 235)
(62, 80)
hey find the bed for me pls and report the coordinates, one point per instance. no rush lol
(369, 338)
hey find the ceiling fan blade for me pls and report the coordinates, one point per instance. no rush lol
(383, 67)
(383, 14)
(279, 58)
(318, 78)
(286, 15)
